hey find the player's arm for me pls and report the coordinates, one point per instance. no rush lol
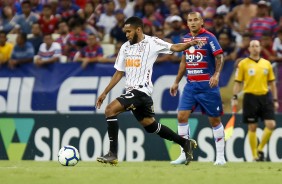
(115, 79)
(273, 89)
(183, 46)
(219, 61)
(181, 72)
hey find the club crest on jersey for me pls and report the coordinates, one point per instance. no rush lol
(251, 72)
(193, 55)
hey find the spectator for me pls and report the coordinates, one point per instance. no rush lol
(7, 19)
(220, 27)
(49, 51)
(67, 9)
(151, 15)
(117, 34)
(23, 51)
(277, 46)
(76, 34)
(224, 8)
(243, 50)
(36, 37)
(138, 8)
(25, 20)
(126, 6)
(266, 47)
(63, 31)
(276, 6)
(36, 6)
(6, 48)
(91, 53)
(107, 20)
(177, 29)
(263, 22)
(228, 47)
(240, 17)
(47, 21)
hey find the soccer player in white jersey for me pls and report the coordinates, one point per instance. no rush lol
(135, 60)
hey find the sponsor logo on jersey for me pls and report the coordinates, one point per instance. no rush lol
(132, 62)
(194, 55)
(212, 46)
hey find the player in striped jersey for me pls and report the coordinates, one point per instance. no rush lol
(203, 65)
(135, 59)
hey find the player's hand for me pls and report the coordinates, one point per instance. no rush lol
(100, 100)
(173, 89)
(199, 43)
(276, 106)
(214, 80)
(234, 102)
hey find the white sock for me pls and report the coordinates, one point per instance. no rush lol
(218, 133)
(183, 130)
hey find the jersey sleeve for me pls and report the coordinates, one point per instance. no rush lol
(120, 61)
(214, 45)
(239, 74)
(161, 47)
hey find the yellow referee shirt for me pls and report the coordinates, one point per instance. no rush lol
(5, 52)
(255, 75)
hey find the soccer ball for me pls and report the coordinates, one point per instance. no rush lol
(68, 156)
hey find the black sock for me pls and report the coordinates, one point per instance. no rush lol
(113, 133)
(165, 132)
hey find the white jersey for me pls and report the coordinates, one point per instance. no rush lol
(54, 51)
(137, 62)
(277, 46)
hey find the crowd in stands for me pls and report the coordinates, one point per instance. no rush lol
(86, 31)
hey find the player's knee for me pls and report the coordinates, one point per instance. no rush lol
(109, 111)
(270, 124)
(152, 128)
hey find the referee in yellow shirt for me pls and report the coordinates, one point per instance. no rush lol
(256, 74)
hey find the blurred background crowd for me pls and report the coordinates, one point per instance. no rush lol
(86, 31)
(46, 31)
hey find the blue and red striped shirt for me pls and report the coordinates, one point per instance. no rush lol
(200, 62)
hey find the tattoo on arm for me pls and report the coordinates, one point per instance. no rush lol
(219, 62)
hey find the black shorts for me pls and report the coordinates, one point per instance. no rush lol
(139, 103)
(257, 106)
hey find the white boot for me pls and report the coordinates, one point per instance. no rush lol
(220, 161)
(180, 160)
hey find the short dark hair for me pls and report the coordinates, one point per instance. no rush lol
(23, 36)
(3, 32)
(135, 22)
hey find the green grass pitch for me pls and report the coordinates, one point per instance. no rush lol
(153, 172)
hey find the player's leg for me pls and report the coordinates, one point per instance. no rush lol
(144, 113)
(218, 134)
(184, 131)
(185, 106)
(111, 112)
(211, 104)
(188, 145)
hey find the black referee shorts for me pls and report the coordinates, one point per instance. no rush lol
(257, 106)
(139, 103)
